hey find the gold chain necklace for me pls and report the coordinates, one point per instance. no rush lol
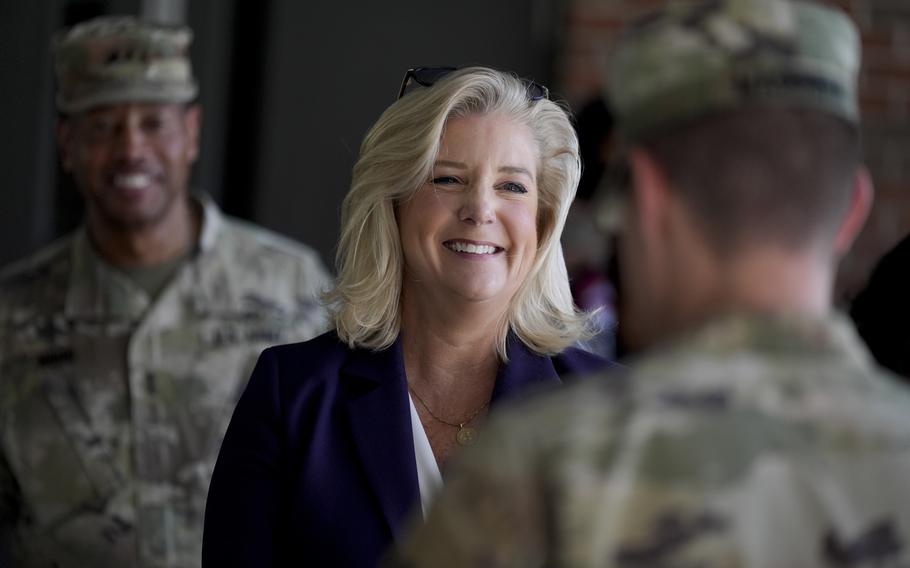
(465, 435)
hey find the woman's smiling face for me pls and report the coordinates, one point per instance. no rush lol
(470, 231)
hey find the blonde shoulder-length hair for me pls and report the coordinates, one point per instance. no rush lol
(396, 158)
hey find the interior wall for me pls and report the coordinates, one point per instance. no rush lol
(26, 145)
(333, 67)
(288, 89)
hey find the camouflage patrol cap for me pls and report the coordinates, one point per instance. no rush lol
(699, 58)
(121, 59)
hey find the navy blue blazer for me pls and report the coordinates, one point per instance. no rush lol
(317, 467)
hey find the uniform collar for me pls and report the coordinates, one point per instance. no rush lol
(779, 337)
(97, 289)
(212, 221)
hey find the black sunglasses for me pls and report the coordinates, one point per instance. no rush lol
(428, 76)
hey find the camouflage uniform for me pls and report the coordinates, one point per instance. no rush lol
(753, 441)
(113, 405)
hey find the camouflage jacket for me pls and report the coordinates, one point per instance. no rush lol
(755, 442)
(113, 406)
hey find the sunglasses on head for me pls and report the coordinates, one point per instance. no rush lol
(428, 76)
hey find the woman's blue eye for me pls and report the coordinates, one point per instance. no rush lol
(514, 187)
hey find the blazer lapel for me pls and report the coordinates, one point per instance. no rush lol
(525, 373)
(381, 425)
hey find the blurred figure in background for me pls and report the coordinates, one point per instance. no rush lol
(882, 308)
(587, 253)
(452, 298)
(586, 259)
(124, 347)
(597, 142)
(753, 430)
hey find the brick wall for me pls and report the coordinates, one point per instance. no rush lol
(591, 26)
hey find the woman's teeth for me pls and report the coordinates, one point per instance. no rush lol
(470, 248)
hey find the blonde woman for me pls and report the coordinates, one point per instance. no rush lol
(451, 297)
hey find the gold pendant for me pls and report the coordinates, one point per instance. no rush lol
(466, 436)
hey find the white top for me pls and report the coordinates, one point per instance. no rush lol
(428, 477)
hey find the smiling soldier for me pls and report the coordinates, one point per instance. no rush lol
(124, 346)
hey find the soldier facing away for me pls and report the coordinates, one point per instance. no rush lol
(752, 429)
(124, 346)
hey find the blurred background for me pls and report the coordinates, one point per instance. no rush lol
(289, 88)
